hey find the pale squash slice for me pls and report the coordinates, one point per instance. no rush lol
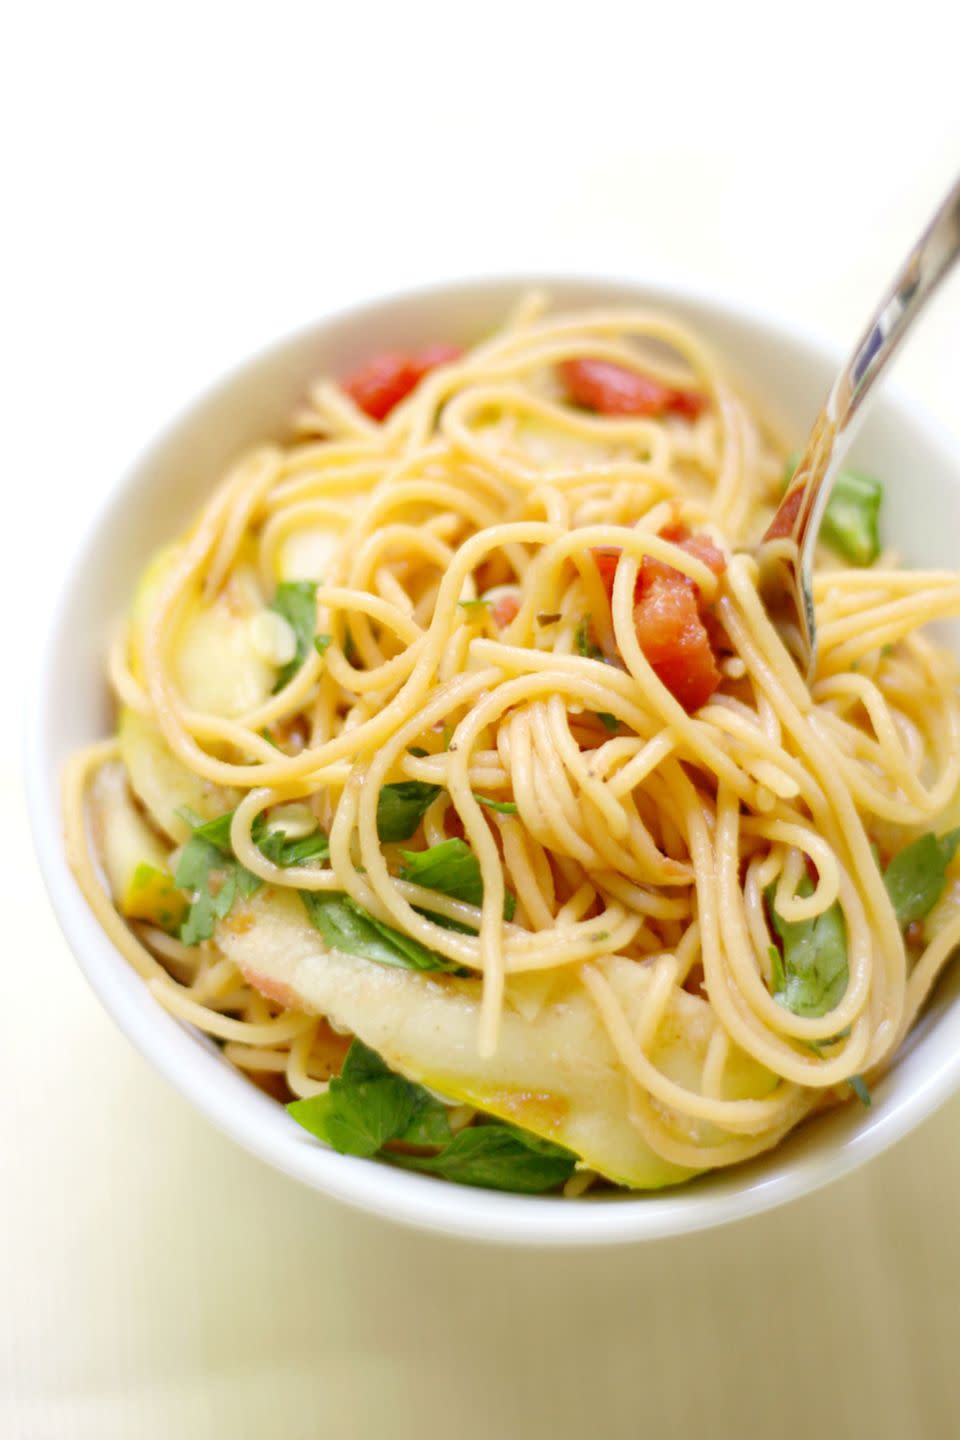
(554, 1072)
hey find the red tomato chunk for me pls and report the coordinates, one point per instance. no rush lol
(614, 390)
(669, 619)
(504, 610)
(378, 385)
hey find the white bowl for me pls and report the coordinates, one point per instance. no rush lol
(787, 375)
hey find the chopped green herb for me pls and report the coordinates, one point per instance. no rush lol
(504, 807)
(451, 868)
(497, 1156)
(609, 722)
(296, 601)
(447, 736)
(346, 926)
(401, 807)
(857, 1085)
(265, 735)
(417, 751)
(208, 872)
(850, 523)
(584, 644)
(814, 957)
(283, 852)
(915, 878)
(478, 604)
(776, 970)
(322, 643)
(369, 1107)
(349, 648)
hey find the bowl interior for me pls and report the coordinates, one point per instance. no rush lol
(786, 376)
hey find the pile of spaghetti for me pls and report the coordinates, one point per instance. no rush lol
(465, 794)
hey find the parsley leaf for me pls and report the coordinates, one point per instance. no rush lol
(915, 878)
(497, 1156)
(296, 601)
(369, 1107)
(346, 926)
(503, 807)
(584, 644)
(210, 871)
(402, 806)
(363, 1109)
(814, 961)
(452, 869)
(283, 852)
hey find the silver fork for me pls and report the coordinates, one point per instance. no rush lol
(787, 549)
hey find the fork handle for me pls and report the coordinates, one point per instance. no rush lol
(801, 509)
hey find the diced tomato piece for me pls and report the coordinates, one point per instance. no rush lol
(614, 390)
(431, 356)
(378, 385)
(607, 562)
(504, 610)
(700, 546)
(783, 522)
(674, 640)
(673, 631)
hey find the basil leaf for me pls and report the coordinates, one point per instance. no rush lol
(497, 1157)
(346, 926)
(402, 806)
(850, 522)
(451, 868)
(814, 958)
(915, 878)
(428, 1124)
(609, 722)
(322, 643)
(296, 601)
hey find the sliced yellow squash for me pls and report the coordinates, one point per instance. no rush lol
(133, 857)
(554, 1072)
(217, 667)
(162, 783)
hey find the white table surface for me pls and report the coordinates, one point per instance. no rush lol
(186, 182)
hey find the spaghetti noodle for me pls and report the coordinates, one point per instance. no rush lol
(504, 595)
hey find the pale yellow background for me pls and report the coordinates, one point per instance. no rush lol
(186, 182)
